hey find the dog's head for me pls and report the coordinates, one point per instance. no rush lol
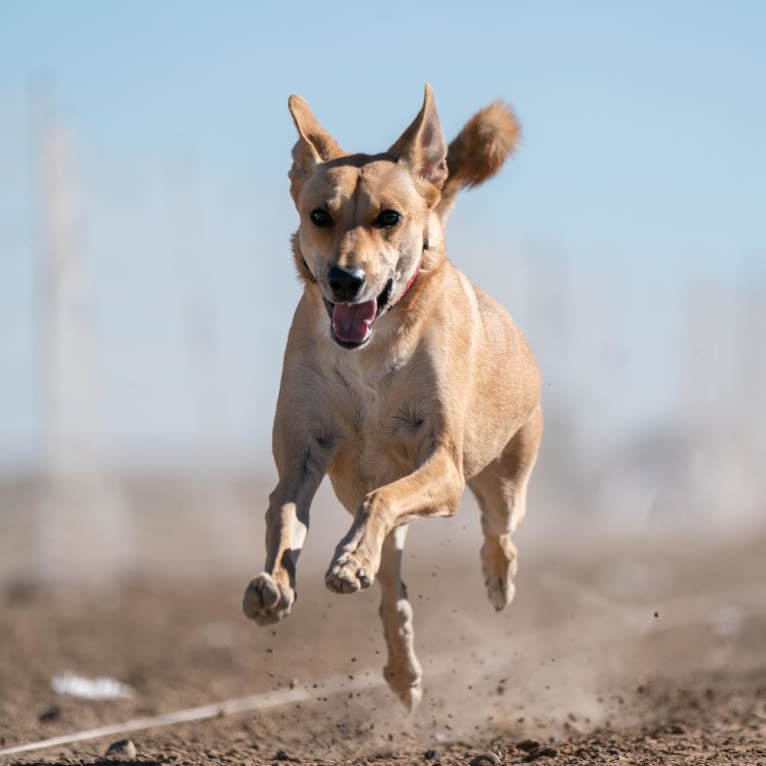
(364, 219)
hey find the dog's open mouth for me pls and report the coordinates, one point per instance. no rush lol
(351, 323)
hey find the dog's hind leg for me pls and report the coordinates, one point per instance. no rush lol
(402, 672)
(501, 491)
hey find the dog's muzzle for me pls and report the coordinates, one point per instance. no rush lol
(345, 284)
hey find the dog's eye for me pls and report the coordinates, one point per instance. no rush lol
(320, 218)
(387, 219)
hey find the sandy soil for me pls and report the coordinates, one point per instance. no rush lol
(628, 652)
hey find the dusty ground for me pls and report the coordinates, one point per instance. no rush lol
(641, 651)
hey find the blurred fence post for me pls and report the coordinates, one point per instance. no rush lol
(82, 523)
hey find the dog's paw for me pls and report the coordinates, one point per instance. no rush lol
(348, 574)
(406, 683)
(499, 563)
(500, 592)
(266, 601)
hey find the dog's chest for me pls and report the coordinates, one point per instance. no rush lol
(375, 445)
(363, 396)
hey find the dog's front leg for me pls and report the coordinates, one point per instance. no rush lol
(434, 489)
(269, 596)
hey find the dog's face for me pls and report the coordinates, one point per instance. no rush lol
(361, 235)
(364, 218)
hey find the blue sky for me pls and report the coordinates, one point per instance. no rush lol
(643, 161)
(653, 107)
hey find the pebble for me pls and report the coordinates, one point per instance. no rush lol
(123, 748)
(486, 759)
(51, 714)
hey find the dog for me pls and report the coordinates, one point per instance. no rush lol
(401, 381)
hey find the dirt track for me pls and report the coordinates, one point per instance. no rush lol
(617, 654)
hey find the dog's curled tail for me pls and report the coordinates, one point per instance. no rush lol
(478, 151)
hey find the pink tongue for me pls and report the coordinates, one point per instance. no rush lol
(351, 322)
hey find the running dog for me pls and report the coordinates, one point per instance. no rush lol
(401, 380)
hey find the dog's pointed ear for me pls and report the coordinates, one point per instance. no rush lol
(314, 145)
(422, 145)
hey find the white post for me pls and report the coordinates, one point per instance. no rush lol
(82, 519)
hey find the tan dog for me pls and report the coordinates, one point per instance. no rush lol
(401, 380)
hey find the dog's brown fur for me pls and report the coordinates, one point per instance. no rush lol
(441, 391)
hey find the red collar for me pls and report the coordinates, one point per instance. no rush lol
(411, 281)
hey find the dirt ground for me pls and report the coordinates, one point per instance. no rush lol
(635, 651)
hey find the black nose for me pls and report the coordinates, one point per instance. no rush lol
(345, 283)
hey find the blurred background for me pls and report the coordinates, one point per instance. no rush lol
(146, 286)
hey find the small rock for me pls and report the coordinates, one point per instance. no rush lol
(281, 755)
(528, 745)
(124, 748)
(51, 714)
(432, 755)
(486, 759)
